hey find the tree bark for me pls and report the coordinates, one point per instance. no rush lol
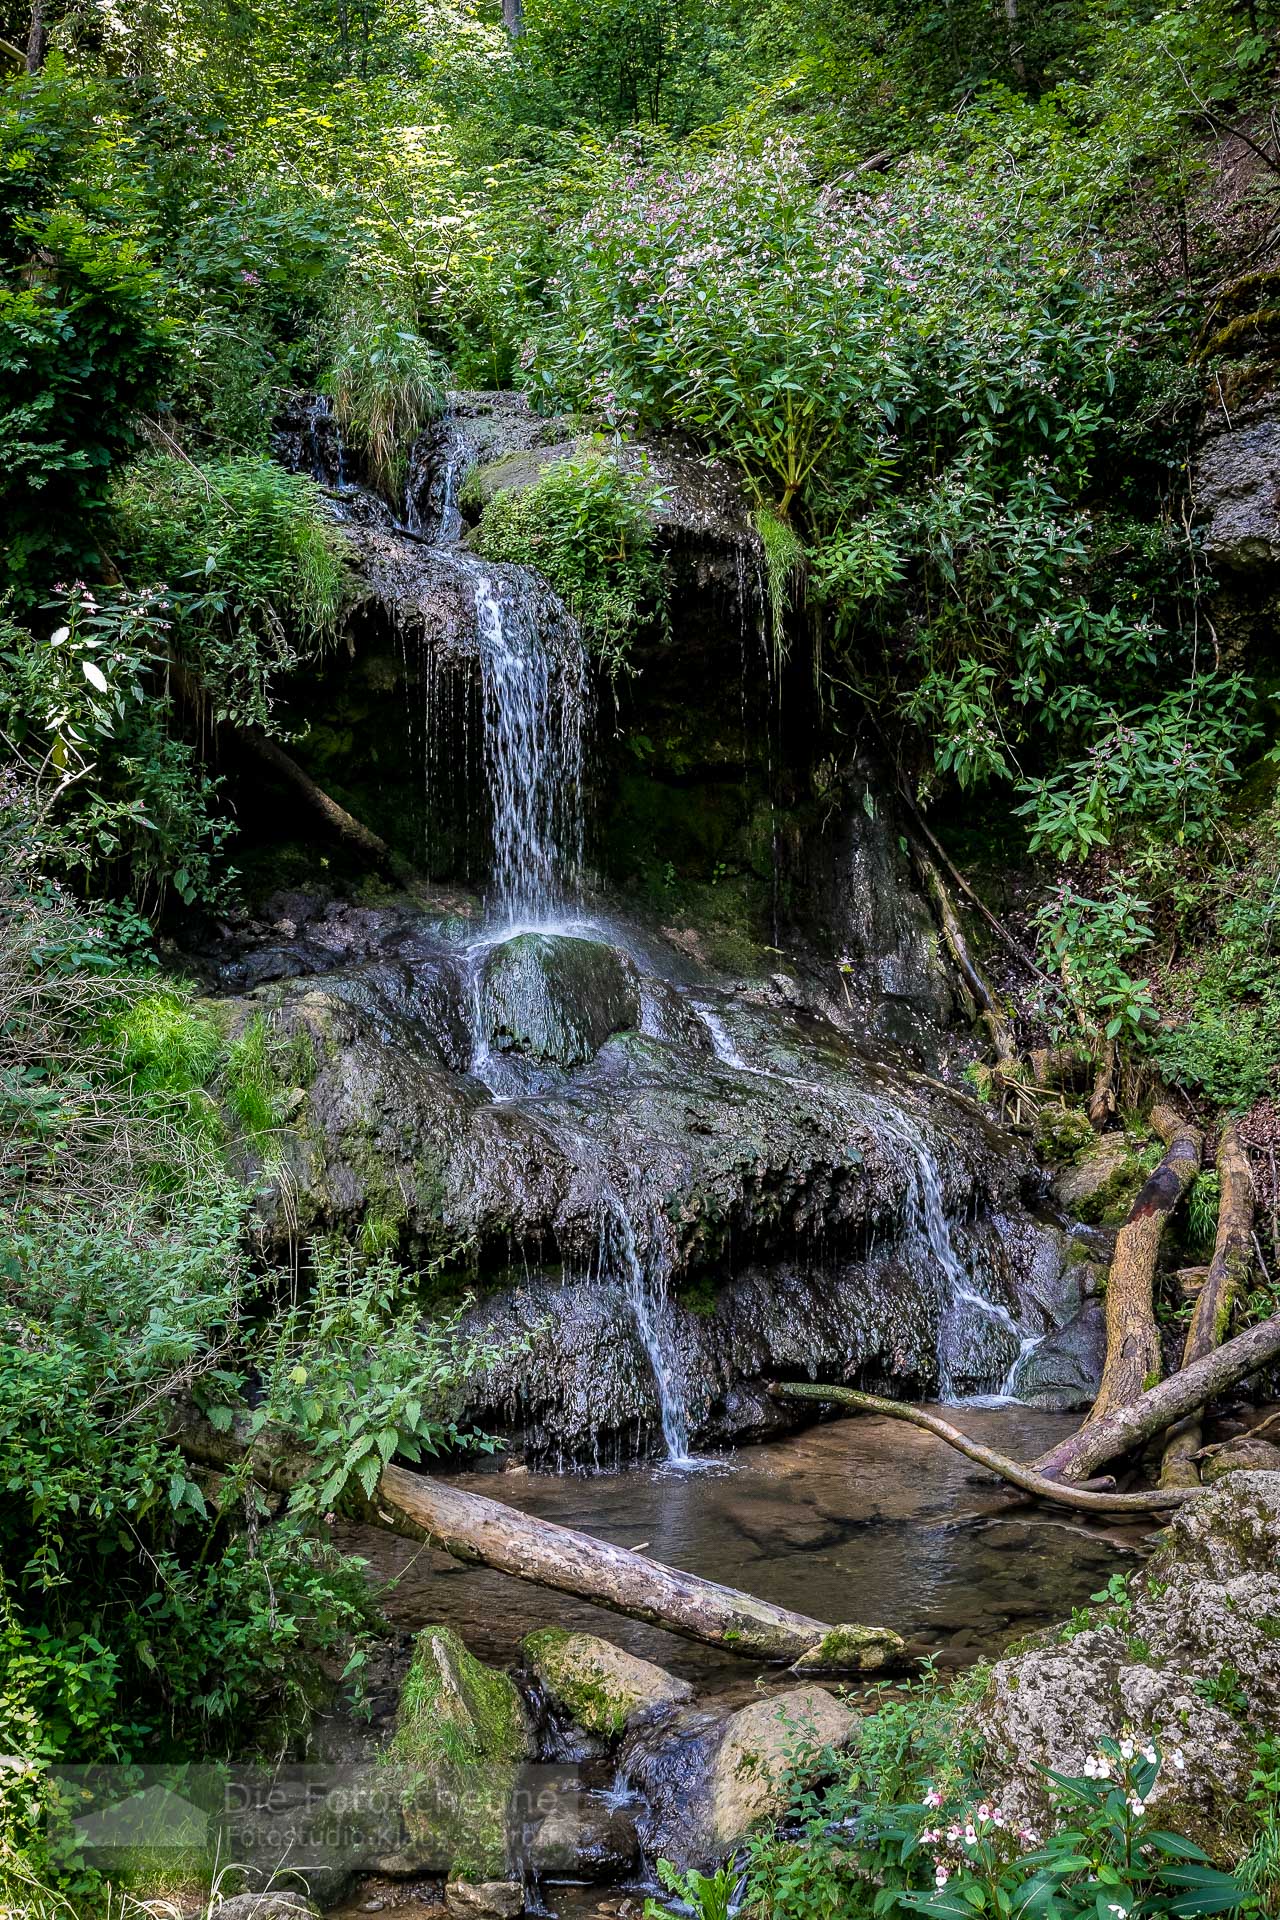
(1225, 1280)
(1133, 1342)
(1080, 1456)
(486, 1533)
(1013, 1471)
(513, 17)
(1102, 1100)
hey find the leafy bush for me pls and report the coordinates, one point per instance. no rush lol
(586, 524)
(258, 573)
(949, 1854)
(106, 793)
(1089, 944)
(84, 341)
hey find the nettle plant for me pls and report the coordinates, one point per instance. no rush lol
(1105, 1858)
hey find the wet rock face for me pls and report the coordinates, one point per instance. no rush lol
(1207, 1602)
(564, 1108)
(860, 898)
(557, 999)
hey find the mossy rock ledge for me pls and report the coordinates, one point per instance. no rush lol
(600, 1687)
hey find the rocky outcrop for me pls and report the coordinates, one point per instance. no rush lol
(708, 1779)
(640, 1141)
(1236, 484)
(1189, 1657)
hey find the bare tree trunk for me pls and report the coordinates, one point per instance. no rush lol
(37, 38)
(1080, 1456)
(513, 17)
(1011, 1470)
(1133, 1342)
(486, 1533)
(1225, 1280)
(1016, 60)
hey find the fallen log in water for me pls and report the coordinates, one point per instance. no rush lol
(486, 1533)
(1080, 1456)
(1000, 1463)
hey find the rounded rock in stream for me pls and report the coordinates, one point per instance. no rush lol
(557, 998)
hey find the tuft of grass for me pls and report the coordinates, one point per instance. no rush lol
(163, 1045)
(386, 382)
(252, 1085)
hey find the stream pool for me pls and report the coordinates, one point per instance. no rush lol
(863, 1520)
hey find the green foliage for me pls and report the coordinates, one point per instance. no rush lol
(947, 1854)
(782, 557)
(1089, 945)
(106, 793)
(586, 524)
(258, 573)
(84, 342)
(1161, 773)
(360, 1379)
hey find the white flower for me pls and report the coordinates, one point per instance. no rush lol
(933, 1798)
(1137, 1804)
(984, 1811)
(1126, 1749)
(1120, 1912)
(970, 1835)
(1150, 1756)
(940, 1877)
(1178, 1758)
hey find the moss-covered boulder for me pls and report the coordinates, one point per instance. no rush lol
(597, 1685)
(460, 1737)
(557, 999)
(1101, 1181)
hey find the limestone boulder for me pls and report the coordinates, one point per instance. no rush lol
(708, 1779)
(1190, 1659)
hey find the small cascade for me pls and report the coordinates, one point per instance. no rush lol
(535, 706)
(722, 1043)
(437, 468)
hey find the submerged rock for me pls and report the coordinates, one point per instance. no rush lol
(597, 1685)
(709, 1779)
(1190, 1659)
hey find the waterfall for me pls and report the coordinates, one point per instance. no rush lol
(535, 709)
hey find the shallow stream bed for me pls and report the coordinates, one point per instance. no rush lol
(866, 1520)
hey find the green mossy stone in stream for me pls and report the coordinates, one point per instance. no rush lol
(602, 1688)
(460, 1737)
(852, 1649)
(557, 999)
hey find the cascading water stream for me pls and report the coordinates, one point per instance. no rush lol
(644, 1278)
